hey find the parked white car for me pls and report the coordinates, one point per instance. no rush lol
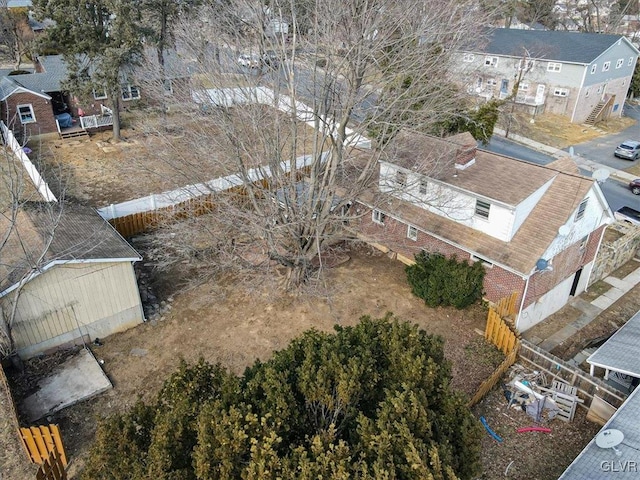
(249, 61)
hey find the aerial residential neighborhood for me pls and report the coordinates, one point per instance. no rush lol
(337, 239)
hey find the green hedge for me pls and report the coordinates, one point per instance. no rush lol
(442, 281)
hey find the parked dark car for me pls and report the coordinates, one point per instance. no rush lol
(629, 150)
(634, 186)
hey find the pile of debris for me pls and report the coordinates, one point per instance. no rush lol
(530, 392)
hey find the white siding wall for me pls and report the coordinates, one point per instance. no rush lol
(72, 300)
(448, 202)
(594, 217)
(523, 209)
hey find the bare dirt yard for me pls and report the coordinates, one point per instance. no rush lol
(235, 326)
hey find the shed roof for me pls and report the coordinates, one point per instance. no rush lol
(603, 464)
(557, 45)
(79, 234)
(620, 352)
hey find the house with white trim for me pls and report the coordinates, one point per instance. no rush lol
(535, 228)
(583, 76)
(64, 278)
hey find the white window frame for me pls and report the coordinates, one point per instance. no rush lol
(127, 93)
(594, 67)
(422, 187)
(581, 209)
(584, 242)
(486, 263)
(630, 62)
(561, 92)
(606, 66)
(401, 179)
(482, 209)
(100, 95)
(412, 233)
(491, 82)
(554, 67)
(468, 57)
(490, 61)
(167, 83)
(600, 89)
(523, 86)
(378, 217)
(620, 63)
(22, 116)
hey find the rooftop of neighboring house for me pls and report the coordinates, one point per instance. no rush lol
(79, 234)
(604, 463)
(49, 79)
(562, 46)
(495, 177)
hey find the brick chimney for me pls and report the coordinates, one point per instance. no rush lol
(465, 151)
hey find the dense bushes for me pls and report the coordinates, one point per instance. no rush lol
(442, 281)
(368, 402)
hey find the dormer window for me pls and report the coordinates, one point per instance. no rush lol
(482, 209)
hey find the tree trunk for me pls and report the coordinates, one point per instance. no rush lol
(116, 118)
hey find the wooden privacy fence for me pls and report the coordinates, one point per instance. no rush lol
(500, 333)
(40, 441)
(507, 306)
(52, 468)
(557, 369)
(495, 377)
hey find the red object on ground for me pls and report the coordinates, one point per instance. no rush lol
(534, 429)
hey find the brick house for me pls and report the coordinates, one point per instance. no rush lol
(536, 228)
(583, 76)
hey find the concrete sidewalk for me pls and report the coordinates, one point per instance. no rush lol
(591, 310)
(582, 163)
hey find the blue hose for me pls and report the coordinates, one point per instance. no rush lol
(488, 429)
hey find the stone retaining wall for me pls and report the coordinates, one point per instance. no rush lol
(615, 252)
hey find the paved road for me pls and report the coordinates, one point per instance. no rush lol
(601, 149)
(616, 193)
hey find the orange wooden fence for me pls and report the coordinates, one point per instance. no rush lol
(500, 333)
(507, 306)
(40, 441)
(495, 377)
(52, 467)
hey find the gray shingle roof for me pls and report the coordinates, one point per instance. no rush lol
(80, 234)
(7, 87)
(551, 45)
(621, 351)
(602, 464)
(55, 72)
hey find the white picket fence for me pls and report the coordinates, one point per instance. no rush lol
(32, 171)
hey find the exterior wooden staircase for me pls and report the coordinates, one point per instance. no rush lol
(597, 114)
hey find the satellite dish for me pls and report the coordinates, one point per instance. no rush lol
(563, 231)
(600, 175)
(610, 438)
(542, 264)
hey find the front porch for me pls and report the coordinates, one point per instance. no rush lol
(81, 126)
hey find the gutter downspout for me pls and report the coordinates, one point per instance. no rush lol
(575, 106)
(524, 295)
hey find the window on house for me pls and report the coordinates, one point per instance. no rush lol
(600, 89)
(482, 209)
(401, 179)
(594, 67)
(620, 63)
(100, 94)
(630, 62)
(378, 217)
(26, 114)
(583, 242)
(130, 92)
(525, 64)
(554, 67)
(485, 262)
(412, 233)
(422, 188)
(167, 87)
(605, 66)
(560, 92)
(491, 82)
(491, 61)
(523, 87)
(581, 209)
(468, 57)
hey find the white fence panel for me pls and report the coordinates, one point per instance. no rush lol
(32, 171)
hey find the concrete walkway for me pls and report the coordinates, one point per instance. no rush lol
(590, 310)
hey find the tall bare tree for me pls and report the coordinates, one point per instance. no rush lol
(337, 70)
(15, 33)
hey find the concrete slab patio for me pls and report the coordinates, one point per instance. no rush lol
(78, 378)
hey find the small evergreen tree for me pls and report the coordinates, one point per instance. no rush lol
(442, 281)
(369, 401)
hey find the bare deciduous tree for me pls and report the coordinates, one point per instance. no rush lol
(337, 70)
